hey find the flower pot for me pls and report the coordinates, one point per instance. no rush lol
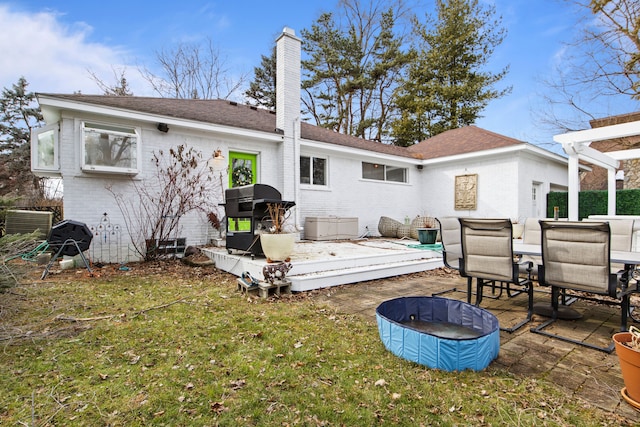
(278, 247)
(630, 368)
(427, 236)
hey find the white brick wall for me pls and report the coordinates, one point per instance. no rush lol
(504, 189)
(504, 183)
(86, 197)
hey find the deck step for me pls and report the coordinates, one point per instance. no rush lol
(328, 278)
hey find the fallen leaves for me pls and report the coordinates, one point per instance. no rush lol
(133, 358)
(218, 407)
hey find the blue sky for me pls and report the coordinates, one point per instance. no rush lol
(53, 44)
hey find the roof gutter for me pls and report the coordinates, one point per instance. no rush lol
(336, 148)
(504, 150)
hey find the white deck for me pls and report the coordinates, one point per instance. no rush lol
(321, 264)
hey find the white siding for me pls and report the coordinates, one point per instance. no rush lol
(86, 197)
(348, 195)
(496, 188)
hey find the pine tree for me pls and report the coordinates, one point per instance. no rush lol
(262, 90)
(446, 87)
(351, 70)
(18, 116)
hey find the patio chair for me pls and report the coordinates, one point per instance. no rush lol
(451, 249)
(450, 237)
(576, 257)
(487, 256)
(531, 236)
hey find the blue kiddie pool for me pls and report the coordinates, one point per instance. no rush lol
(440, 333)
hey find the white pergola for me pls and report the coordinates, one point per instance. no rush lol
(576, 145)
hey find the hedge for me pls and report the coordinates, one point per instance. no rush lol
(594, 202)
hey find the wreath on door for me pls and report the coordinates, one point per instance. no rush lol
(242, 175)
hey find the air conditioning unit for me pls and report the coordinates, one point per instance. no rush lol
(25, 222)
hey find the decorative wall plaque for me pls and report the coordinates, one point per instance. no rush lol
(466, 192)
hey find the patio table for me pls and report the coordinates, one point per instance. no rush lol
(630, 259)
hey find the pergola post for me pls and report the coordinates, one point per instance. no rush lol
(576, 145)
(574, 186)
(611, 193)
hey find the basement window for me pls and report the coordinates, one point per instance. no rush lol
(110, 149)
(381, 172)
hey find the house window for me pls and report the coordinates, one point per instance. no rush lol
(313, 170)
(383, 172)
(44, 150)
(107, 148)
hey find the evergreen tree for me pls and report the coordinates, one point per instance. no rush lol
(446, 87)
(18, 116)
(352, 70)
(262, 90)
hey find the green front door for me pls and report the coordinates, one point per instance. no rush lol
(243, 169)
(243, 172)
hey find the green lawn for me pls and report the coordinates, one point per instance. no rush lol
(179, 345)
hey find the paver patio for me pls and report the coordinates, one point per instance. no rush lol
(587, 374)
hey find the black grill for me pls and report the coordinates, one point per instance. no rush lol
(246, 213)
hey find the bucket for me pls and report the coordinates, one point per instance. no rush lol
(427, 236)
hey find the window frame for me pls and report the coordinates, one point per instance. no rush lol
(385, 173)
(116, 130)
(312, 160)
(38, 166)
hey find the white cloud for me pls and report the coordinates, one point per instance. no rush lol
(54, 57)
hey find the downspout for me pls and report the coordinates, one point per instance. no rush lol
(296, 175)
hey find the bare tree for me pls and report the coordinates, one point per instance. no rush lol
(193, 71)
(119, 88)
(599, 70)
(183, 183)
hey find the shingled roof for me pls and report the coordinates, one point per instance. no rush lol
(469, 139)
(228, 113)
(214, 111)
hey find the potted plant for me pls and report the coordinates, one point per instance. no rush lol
(277, 244)
(628, 351)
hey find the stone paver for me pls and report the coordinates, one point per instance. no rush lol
(587, 374)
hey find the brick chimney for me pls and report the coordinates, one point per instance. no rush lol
(288, 48)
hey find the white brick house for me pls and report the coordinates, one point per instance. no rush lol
(325, 173)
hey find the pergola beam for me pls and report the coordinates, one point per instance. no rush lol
(600, 134)
(576, 145)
